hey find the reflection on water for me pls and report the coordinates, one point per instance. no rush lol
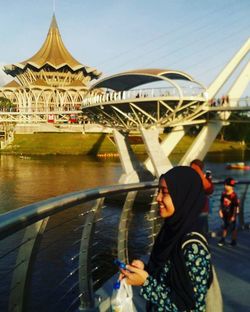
(23, 181)
(232, 156)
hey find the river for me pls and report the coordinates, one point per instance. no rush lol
(24, 181)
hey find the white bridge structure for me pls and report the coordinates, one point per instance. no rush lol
(178, 103)
(130, 102)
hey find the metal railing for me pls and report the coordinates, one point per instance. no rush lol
(55, 254)
(113, 96)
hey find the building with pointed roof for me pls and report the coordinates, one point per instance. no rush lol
(52, 80)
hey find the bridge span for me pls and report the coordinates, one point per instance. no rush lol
(180, 102)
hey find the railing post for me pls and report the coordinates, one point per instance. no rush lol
(20, 285)
(241, 214)
(153, 217)
(87, 298)
(122, 240)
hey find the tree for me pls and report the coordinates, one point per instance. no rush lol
(239, 128)
(5, 103)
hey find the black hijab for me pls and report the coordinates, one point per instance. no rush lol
(187, 194)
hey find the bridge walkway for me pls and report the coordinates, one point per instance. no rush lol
(233, 267)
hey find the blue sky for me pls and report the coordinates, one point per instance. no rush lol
(195, 36)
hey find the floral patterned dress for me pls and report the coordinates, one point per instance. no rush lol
(197, 260)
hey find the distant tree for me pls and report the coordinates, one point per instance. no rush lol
(5, 103)
(237, 131)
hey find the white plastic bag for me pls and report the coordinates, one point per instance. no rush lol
(122, 298)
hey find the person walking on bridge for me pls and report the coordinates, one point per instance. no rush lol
(229, 208)
(179, 271)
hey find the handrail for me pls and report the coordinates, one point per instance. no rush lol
(114, 96)
(97, 233)
(20, 218)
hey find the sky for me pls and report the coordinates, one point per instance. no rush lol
(198, 37)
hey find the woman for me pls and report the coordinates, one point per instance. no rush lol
(179, 271)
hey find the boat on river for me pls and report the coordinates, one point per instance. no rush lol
(239, 166)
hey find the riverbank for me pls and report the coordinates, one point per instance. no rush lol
(92, 144)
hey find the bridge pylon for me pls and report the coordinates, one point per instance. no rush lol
(126, 105)
(133, 169)
(209, 132)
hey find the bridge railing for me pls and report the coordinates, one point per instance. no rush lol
(56, 254)
(113, 96)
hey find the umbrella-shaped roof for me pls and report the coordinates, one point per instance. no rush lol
(53, 53)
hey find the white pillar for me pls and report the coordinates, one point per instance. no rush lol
(228, 70)
(133, 170)
(202, 143)
(159, 160)
(209, 132)
(167, 145)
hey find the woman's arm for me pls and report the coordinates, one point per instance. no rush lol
(198, 264)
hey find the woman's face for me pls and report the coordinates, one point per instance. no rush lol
(164, 200)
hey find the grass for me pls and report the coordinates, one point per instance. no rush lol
(61, 143)
(90, 144)
(217, 145)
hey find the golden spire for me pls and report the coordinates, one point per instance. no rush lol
(52, 53)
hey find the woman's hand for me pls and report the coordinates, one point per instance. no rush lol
(138, 264)
(220, 214)
(135, 263)
(135, 276)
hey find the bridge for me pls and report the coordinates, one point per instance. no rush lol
(116, 102)
(175, 105)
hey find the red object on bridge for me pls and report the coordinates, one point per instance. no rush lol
(73, 118)
(51, 118)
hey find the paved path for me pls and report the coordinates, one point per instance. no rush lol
(233, 268)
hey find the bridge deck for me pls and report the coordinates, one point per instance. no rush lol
(233, 268)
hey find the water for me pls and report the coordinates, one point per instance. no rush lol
(24, 181)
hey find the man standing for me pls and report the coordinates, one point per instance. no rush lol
(208, 186)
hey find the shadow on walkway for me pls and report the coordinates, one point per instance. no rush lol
(233, 268)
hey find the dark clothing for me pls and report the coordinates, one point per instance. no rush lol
(229, 225)
(158, 290)
(187, 193)
(229, 207)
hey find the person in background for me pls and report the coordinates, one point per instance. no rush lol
(179, 271)
(208, 186)
(229, 208)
